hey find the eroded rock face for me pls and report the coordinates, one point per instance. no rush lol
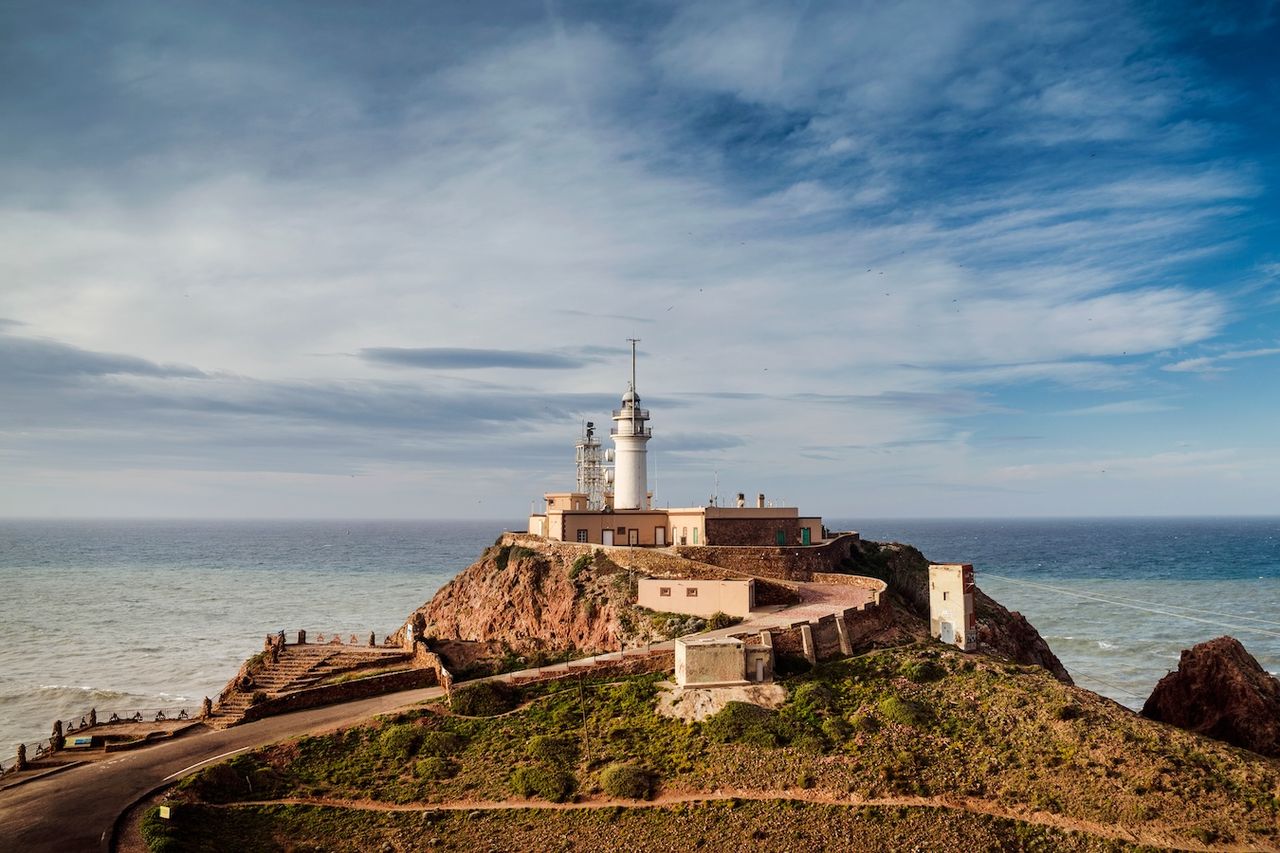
(1000, 630)
(1220, 691)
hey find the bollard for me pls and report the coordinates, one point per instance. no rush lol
(206, 708)
(93, 716)
(22, 757)
(302, 636)
(373, 641)
(56, 739)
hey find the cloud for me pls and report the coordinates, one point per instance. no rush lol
(1124, 407)
(1212, 363)
(453, 358)
(25, 361)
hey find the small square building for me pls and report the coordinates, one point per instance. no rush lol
(697, 597)
(951, 615)
(722, 662)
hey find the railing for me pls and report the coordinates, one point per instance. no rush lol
(641, 431)
(640, 414)
(42, 749)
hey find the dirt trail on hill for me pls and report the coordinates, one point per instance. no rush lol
(1163, 838)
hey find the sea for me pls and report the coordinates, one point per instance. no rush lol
(129, 616)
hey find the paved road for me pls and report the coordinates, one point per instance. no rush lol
(70, 811)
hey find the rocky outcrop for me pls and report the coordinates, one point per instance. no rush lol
(1219, 690)
(1000, 630)
(534, 599)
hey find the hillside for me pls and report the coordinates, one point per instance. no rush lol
(536, 600)
(913, 746)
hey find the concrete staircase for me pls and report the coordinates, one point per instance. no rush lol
(300, 667)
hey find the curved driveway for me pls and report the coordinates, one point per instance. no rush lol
(74, 810)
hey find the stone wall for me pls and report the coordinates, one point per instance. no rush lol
(629, 664)
(752, 531)
(826, 638)
(330, 694)
(788, 563)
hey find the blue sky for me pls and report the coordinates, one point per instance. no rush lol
(885, 259)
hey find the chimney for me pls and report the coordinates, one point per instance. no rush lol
(760, 500)
(742, 500)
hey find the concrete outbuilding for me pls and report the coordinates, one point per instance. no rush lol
(952, 619)
(721, 661)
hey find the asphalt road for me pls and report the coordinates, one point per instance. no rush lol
(74, 810)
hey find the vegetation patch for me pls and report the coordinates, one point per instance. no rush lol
(484, 699)
(554, 784)
(626, 781)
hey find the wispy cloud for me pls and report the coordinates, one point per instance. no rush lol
(1214, 363)
(453, 358)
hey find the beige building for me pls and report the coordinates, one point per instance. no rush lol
(951, 615)
(567, 519)
(721, 661)
(697, 597)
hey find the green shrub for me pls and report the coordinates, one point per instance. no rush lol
(399, 742)
(557, 750)
(742, 722)
(157, 833)
(500, 559)
(549, 783)
(837, 729)
(579, 564)
(811, 700)
(439, 743)
(720, 620)
(923, 670)
(903, 711)
(433, 767)
(258, 697)
(242, 776)
(485, 699)
(1068, 712)
(626, 781)
(804, 779)
(866, 723)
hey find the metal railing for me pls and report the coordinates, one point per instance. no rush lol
(42, 749)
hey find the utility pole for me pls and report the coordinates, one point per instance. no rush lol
(582, 703)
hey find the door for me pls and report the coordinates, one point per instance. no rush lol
(804, 536)
(948, 633)
(759, 669)
(608, 537)
(633, 537)
(781, 537)
(660, 536)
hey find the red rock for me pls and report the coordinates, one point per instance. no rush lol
(1220, 691)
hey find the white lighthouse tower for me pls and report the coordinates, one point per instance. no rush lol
(630, 435)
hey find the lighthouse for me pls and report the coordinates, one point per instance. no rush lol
(630, 434)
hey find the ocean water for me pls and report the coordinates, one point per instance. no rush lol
(125, 615)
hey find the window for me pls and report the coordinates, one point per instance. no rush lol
(691, 592)
(582, 536)
(622, 531)
(781, 537)
(664, 591)
(695, 536)
(945, 594)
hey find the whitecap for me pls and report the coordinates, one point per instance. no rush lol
(1103, 644)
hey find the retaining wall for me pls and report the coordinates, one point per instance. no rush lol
(795, 563)
(329, 694)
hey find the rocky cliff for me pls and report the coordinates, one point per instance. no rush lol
(535, 598)
(1000, 630)
(1220, 690)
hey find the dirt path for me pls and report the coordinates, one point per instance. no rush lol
(1163, 838)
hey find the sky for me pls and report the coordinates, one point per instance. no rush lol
(948, 258)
